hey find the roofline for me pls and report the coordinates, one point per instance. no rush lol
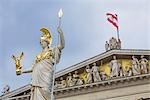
(82, 64)
(17, 91)
(102, 56)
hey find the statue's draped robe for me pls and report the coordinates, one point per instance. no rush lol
(135, 67)
(42, 77)
(114, 68)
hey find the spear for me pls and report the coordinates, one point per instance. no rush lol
(60, 14)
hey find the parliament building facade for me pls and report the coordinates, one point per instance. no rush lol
(117, 74)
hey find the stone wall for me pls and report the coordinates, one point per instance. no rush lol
(126, 93)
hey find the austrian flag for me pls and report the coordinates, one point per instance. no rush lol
(112, 18)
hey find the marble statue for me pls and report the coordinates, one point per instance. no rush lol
(127, 71)
(60, 84)
(103, 75)
(115, 67)
(69, 80)
(42, 69)
(110, 44)
(113, 43)
(89, 74)
(95, 72)
(63, 83)
(135, 66)
(57, 85)
(76, 79)
(119, 44)
(121, 72)
(143, 64)
(6, 89)
(107, 46)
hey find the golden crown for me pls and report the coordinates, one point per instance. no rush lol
(46, 36)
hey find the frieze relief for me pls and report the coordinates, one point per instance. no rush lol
(115, 68)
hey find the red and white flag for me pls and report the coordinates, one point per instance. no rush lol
(113, 19)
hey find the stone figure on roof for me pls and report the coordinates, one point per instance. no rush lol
(107, 46)
(6, 89)
(119, 44)
(113, 44)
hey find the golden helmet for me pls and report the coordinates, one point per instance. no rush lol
(46, 36)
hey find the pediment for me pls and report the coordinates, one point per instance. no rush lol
(123, 56)
(106, 57)
(102, 60)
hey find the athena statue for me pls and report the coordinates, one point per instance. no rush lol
(42, 69)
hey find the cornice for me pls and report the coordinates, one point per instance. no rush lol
(103, 85)
(16, 92)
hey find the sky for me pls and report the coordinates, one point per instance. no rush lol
(84, 25)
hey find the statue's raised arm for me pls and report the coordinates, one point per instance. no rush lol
(62, 40)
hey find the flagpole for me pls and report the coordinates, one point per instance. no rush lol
(117, 27)
(118, 33)
(119, 41)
